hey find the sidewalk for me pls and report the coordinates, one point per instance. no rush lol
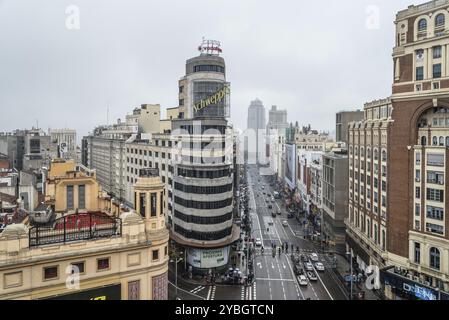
(343, 269)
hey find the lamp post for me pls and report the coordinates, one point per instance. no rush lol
(350, 261)
(176, 258)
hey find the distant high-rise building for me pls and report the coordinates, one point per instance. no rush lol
(256, 121)
(277, 119)
(343, 118)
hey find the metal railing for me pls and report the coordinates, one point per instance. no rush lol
(76, 227)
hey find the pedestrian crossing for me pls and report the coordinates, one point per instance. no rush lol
(254, 291)
(197, 289)
(242, 296)
(211, 293)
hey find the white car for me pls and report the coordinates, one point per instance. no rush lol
(285, 223)
(258, 242)
(319, 266)
(314, 257)
(302, 279)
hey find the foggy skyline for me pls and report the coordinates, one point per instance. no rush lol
(311, 58)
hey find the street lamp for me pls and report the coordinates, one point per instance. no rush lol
(350, 256)
(176, 258)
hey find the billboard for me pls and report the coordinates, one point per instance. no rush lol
(207, 259)
(112, 292)
(211, 99)
(290, 165)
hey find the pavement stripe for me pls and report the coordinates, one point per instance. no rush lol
(270, 279)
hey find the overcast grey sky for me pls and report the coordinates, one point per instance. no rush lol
(312, 58)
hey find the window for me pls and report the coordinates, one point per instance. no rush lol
(142, 203)
(417, 209)
(435, 85)
(437, 52)
(82, 197)
(166, 251)
(78, 266)
(418, 158)
(50, 273)
(418, 193)
(441, 141)
(417, 257)
(439, 21)
(103, 264)
(418, 175)
(155, 255)
(422, 25)
(437, 70)
(435, 177)
(435, 195)
(423, 141)
(153, 204)
(435, 213)
(434, 228)
(69, 197)
(417, 225)
(419, 73)
(435, 258)
(435, 159)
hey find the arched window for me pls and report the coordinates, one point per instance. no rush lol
(434, 141)
(440, 20)
(384, 155)
(441, 141)
(422, 25)
(362, 152)
(435, 258)
(376, 154)
(368, 153)
(356, 151)
(423, 140)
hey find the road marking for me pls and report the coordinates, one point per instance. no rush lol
(254, 291)
(242, 295)
(197, 289)
(213, 293)
(187, 292)
(209, 293)
(319, 278)
(296, 283)
(271, 279)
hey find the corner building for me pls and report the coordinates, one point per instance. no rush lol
(412, 143)
(202, 217)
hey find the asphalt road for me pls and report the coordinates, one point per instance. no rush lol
(275, 279)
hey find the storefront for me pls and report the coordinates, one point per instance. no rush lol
(399, 287)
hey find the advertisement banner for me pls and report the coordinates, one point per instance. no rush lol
(112, 292)
(207, 259)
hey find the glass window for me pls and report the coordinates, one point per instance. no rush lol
(419, 73)
(437, 52)
(103, 264)
(435, 159)
(435, 195)
(435, 258)
(440, 20)
(437, 70)
(50, 273)
(82, 197)
(155, 255)
(69, 197)
(153, 204)
(422, 25)
(417, 252)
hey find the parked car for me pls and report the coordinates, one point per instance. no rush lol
(296, 270)
(312, 276)
(290, 215)
(308, 266)
(304, 258)
(258, 242)
(303, 280)
(319, 266)
(284, 223)
(273, 214)
(314, 257)
(279, 212)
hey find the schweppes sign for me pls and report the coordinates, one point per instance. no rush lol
(213, 99)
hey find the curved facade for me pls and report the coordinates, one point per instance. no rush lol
(202, 216)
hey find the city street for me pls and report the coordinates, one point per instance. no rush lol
(275, 279)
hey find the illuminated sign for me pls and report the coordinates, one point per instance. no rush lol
(420, 292)
(211, 47)
(213, 99)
